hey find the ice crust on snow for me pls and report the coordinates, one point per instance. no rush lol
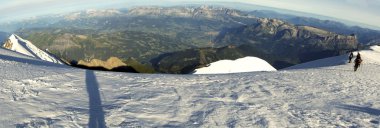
(246, 64)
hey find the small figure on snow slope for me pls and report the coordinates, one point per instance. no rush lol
(357, 61)
(350, 57)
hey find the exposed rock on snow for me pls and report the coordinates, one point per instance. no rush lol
(110, 63)
(17, 44)
(246, 64)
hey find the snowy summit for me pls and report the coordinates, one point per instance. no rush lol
(246, 64)
(17, 44)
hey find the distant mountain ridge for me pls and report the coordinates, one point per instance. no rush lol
(280, 43)
(277, 30)
(297, 43)
(92, 13)
(193, 12)
(364, 35)
(179, 39)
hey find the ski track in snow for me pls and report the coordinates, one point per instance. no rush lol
(36, 95)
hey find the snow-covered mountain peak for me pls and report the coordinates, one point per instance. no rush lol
(17, 44)
(246, 64)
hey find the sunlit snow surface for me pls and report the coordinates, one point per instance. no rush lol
(246, 64)
(38, 94)
(27, 48)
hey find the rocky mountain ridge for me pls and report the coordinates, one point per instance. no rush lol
(193, 36)
(280, 43)
(193, 12)
(278, 30)
(364, 35)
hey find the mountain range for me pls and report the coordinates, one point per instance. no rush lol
(280, 43)
(314, 86)
(148, 35)
(364, 35)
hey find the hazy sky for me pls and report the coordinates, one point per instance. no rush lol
(363, 11)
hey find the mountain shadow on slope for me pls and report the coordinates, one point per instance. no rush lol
(128, 69)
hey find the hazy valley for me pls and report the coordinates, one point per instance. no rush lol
(174, 64)
(179, 39)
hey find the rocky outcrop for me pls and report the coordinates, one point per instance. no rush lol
(8, 44)
(111, 63)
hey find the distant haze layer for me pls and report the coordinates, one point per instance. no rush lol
(361, 11)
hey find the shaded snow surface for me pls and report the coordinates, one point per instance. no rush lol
(38, 94)
(246, 64)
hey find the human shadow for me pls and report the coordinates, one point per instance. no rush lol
(96, 112)
(368, 110)
(31, 61)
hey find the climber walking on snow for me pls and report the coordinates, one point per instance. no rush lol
(357, 61)
(350, 57)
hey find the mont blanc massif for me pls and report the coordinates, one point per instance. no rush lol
(220, 64)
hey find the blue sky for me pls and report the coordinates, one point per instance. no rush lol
(363, 11)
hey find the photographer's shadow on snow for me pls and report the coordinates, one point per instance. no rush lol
(96, 112)
(368, 110)
(31, 61)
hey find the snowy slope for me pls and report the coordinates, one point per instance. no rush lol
(371, 56)
(16, 43)
(246, 64)
(34, 93)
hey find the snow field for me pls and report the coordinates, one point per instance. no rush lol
(38, 94)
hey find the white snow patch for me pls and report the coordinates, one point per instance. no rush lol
(246, 64)
(27, 48)
(375, 48)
